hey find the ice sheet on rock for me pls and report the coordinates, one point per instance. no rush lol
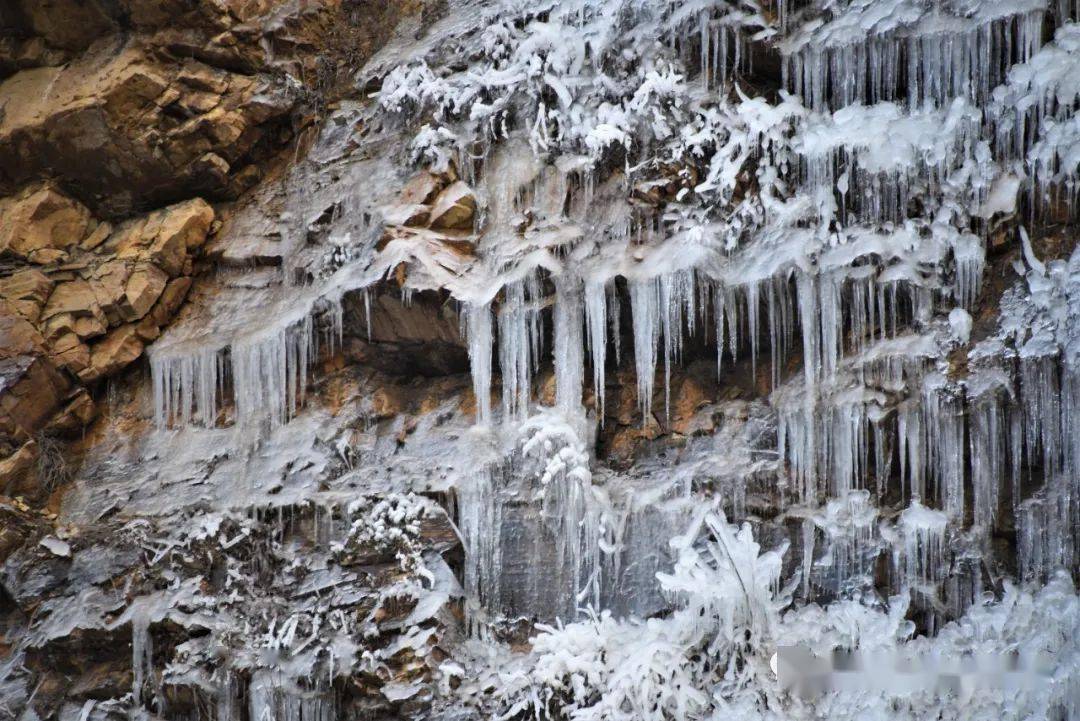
(537, 504)
(1046, 531)
(655, 667)
(599, 541)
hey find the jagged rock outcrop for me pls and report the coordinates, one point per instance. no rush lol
(128, 131)
(84, 299)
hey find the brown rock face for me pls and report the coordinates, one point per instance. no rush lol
(132, 104)
(73, 307)
(41, 219)
(454, 208)
(30, 386)
(119, 348)
(172, 297)
(27, 291)
(77, 414)
(16, 468)
(144, 287)
(118, 119)
(61, 325)
(127, 129)
(165, 237)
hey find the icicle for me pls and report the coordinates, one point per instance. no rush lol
(970, 257)
(615, 317)
(476, 319)
(780, 324)
(798, 441)
(911, 451)
(645, 309)
(1016, 452)
(808, 534)
(968, 59)
(924, 544)
(186, 387)
(986, 435)
(1041, 400)
(569, 351)
(807, 300)
(731, 309)
(752, 309)
(882, 458)
(1047, 533)
(480, 521)
(367, 312)
(831, 317)
(596, 321)
(142, 654)
(269, 374)
(534, 294)
(676, 295)
(226, 698)
(718, 314)
(514, 352)
(944, 429)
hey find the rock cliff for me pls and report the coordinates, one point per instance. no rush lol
(469, 359)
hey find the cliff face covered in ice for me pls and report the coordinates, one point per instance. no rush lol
(570, 359)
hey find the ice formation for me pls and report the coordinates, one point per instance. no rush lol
(835, 235)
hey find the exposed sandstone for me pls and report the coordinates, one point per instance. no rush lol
(67, 351)
(79, 411)
(30, 386)
(126, 129)
(170, 300)
(26, 291)
(41, 219)
(15, 469)
(143, 289)
(454, 208)
(91, 317)
(119, 348)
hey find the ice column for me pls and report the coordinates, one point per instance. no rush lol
(480, 521)
(645, 308)
(596, 323)
(476, 318)
(923, 532)
(568, 341)
(514, 352)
